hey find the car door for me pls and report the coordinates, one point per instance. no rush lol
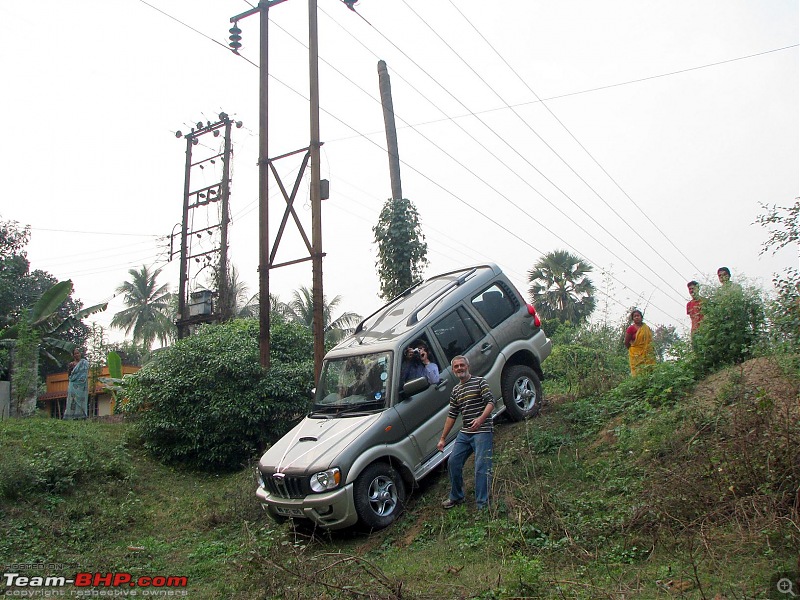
(496, 305)
(459, 333)
(423, 414)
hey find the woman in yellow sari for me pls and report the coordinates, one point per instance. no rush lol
(639, 342)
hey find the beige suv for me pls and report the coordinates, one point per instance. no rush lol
(371, 437)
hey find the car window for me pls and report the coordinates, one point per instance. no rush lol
(495, 305)
(457, 333)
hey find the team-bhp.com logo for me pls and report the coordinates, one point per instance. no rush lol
(94, 580)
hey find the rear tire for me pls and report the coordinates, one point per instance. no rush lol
(522, 393)
(379, 495)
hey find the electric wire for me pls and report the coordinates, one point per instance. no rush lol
(526, 160)
(431, 180)
(639, 208)
(490, 186)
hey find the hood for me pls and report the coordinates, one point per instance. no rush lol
(315, 444)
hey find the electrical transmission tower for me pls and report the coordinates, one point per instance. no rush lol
(197, 307)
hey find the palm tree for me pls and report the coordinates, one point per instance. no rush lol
(301, 309)
(149, 308)
(561, 289)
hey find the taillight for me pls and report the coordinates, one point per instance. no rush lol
(532, 312)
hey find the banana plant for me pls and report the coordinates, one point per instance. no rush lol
(39, 326)
(46, 323)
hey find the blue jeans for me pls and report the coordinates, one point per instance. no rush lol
(465, 445)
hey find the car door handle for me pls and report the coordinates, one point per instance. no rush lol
(441, 385)
(486, 348)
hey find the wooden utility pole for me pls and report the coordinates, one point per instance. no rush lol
(263, 189)
(266, 257)
(316, 193)
(391, 130)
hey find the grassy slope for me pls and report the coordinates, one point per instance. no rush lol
(686, 500)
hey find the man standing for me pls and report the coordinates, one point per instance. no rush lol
(694, 306)
(472, 398)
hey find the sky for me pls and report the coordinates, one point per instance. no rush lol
(643, 137)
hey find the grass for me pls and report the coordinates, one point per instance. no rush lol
(597, 498)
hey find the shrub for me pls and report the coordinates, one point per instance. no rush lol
(587, 360)
(784, 311)
(732, 325)
(50, 456)
(206, 403)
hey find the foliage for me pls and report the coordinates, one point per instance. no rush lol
(46, 318)
(34, 464)
(21, 288)
(733, 324)
(784, 312)
(205, 403)
(783, 223)
(665, 341)
(25, 379)
(402, 250)
(587, 360)
(664, 384)
(560, 287)
(301, 310)
(148, 313)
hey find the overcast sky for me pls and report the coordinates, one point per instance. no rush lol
(641, 136)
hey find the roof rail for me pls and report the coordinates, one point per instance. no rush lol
(414, 317)
(360, 327)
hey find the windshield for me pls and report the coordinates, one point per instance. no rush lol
(353, 383)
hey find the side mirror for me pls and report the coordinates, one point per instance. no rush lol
(415, 386)
(311, 393)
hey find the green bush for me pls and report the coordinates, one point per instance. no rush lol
(663, 384)
(33, 464)
(732, 326)
(206, 403)
(784, 311)
(588, 360)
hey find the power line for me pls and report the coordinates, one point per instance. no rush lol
(428, 178)
(525, 159)
(634, 230)
(490, 186)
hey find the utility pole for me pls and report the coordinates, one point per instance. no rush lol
(266, 164)
(391, 130)
(195, 199)
(316, 191)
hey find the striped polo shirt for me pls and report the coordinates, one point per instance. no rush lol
(470, 399)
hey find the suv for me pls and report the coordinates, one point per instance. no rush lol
(371, 437)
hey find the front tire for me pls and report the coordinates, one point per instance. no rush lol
(379, 496)
(522, 393)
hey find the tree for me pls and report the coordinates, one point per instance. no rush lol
(149, 310)
(783, 224)
(301, 310)
(561, 289)
(402, 251)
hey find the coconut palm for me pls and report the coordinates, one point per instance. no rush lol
(560, 287)
(301, 309)
(149, 312)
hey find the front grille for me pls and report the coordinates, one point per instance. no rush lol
(288, 487)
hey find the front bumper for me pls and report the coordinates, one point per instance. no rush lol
(330, 510)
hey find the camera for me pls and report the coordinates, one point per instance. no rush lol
(415, 350)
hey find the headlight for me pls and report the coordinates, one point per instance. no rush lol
(326, 480)
(260, 477)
